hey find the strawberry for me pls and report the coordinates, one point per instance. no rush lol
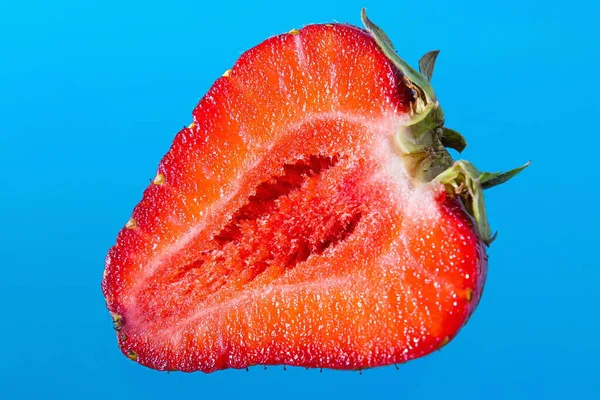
(309, 216)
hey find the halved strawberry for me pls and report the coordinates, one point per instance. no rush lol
(309, 216)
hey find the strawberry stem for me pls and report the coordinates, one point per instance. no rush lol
(420, 143)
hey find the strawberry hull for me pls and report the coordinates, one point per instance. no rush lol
(283, 226)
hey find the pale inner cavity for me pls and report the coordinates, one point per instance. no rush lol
(291, 217)
(265, 202)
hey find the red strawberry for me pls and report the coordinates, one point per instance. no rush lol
(310, 216)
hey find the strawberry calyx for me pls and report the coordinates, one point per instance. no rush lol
(422, 140)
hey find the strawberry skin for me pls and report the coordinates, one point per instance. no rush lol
(286, 225)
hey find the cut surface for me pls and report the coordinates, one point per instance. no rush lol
(286, 230)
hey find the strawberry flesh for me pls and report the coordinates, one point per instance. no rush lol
(284, 228)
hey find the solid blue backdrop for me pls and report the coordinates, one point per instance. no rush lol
(92, 93)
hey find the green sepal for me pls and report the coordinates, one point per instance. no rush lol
(464, 180)
(425, 93)
(427, 63)
(452, 139)
(491, 179)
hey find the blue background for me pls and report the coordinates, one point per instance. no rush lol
(92, 93)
